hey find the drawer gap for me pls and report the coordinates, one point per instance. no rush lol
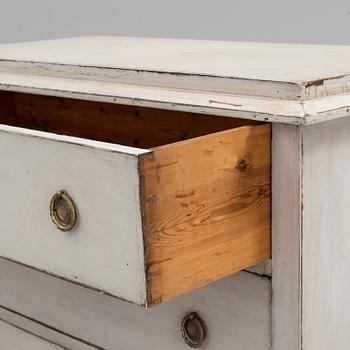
(107, 122)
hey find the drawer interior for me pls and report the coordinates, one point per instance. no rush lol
(202, 206)
(120, 124)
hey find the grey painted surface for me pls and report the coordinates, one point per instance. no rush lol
(299, 21)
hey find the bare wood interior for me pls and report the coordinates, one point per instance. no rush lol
(205, 201)
(207, 209)
(113, 123)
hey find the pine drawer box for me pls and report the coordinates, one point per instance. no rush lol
(142, 204)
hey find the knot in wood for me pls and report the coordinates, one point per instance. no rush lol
(241, 165)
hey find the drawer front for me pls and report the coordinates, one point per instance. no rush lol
(105, 248)
(13, 338)
(150, 224)
(236, 311)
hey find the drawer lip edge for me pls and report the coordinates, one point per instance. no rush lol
(78, 141)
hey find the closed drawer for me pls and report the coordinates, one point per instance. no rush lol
(13, 338)
(235, 310)
(164, 202)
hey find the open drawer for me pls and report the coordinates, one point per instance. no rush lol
(139, 203)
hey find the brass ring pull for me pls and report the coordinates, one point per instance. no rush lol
(193, 330)
(62, 211)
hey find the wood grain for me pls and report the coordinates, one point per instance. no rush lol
(127, 125)
(206, 214)
(7, 107)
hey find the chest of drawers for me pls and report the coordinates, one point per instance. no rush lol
(173, 193)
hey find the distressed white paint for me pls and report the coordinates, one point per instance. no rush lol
(236, 310)
(243, 60)
(12, 338)
(286, 236)
(271, 82)
(310, 236)
(310, 181)
(151, 96)
(105, 249)
(40, 330)
(326, 237)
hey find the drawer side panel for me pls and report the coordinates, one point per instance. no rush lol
(207, 209)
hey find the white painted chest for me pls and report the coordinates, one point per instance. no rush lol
(173, 193)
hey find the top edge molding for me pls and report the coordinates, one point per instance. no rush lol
(288, 83)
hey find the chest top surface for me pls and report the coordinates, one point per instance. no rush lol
(289, 83)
